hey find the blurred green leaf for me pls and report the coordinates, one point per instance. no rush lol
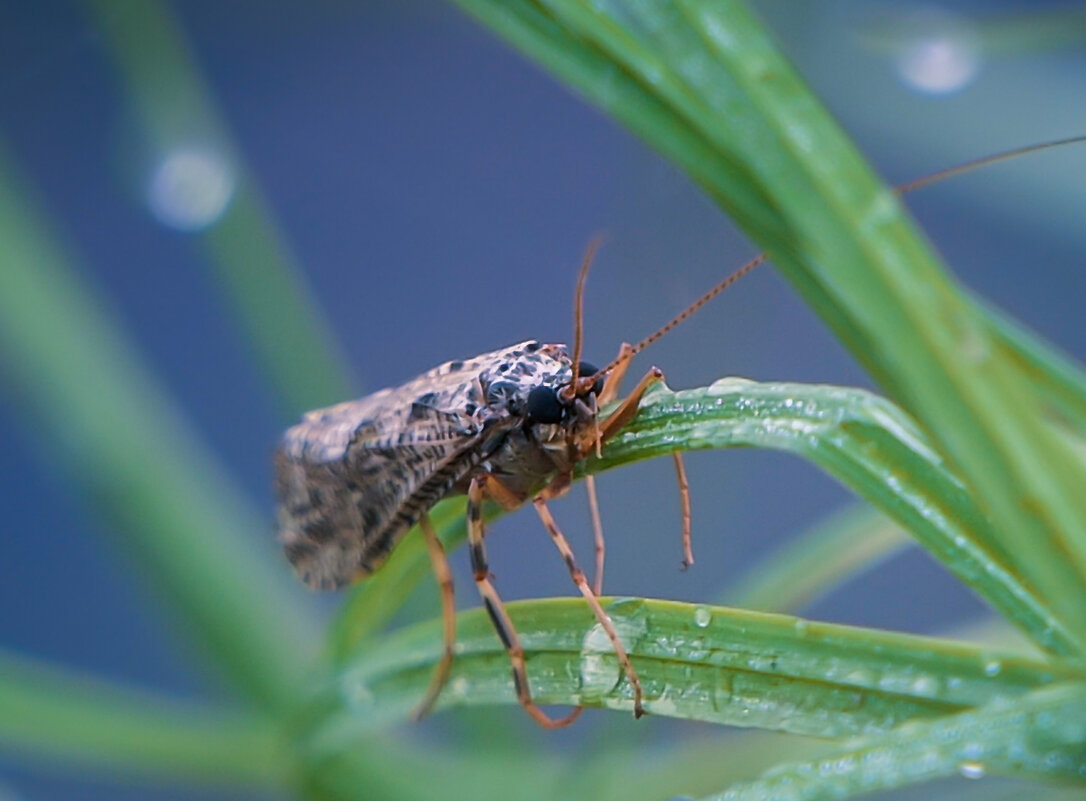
(245, 245)
(51, 714)
(812, 564)
(88, 393)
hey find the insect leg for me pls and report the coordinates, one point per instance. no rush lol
(496, 609)
(625, 411)
(618, 372)
(684, 501)
(597, 530)
(582, 584)
(448, 614)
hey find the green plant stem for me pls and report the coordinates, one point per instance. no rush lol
(89, 395)
(49, 714)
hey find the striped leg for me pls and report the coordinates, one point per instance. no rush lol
(481, 485)
(684, 502)
(582, 584)
(448, 614)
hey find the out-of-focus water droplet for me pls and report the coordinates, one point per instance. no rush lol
(992, 667)
(939, 54)
(702, 617)
(190, 188)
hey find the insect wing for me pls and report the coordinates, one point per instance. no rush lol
(353, 477)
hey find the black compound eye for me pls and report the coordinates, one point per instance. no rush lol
(544, 406)
(587, 368)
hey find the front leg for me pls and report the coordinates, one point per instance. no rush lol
(482, 485)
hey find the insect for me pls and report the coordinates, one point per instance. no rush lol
(508, 426)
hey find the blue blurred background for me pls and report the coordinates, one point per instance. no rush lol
(436, 192)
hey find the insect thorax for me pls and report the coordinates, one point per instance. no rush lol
(354, 477)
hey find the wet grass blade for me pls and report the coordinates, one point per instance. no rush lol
(868, 444)
(1040, 735)
(695, 662)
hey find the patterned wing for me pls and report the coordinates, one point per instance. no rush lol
(354, 477)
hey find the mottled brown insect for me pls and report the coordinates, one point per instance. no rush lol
(353, 478)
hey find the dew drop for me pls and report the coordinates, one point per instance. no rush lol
(972, 770)
(925, 685)
(702, 617)
(722, 690)
(992, 667)
(600, 671)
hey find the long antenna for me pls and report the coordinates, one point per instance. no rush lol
(984, 161)
(578, 311)
(912, 186)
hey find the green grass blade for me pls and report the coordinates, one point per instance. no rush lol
(705, 84)
(52, 715)
(107, 419)
(1041, 735)
(869, 445)
(811, 565)
(695, 662)
(251, 259)
(1056, 378)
